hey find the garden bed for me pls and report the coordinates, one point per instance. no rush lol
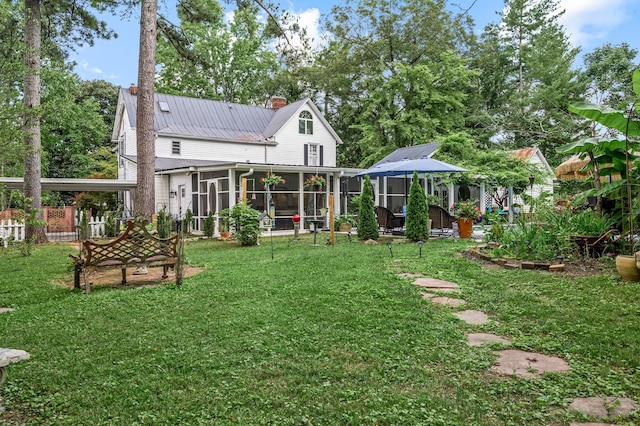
(574, 268)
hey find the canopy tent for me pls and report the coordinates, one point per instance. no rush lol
(405, 167)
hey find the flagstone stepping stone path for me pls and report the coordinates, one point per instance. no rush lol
(604, 408)
(527, 364)
(449, 301)
(410, 275)
(472, 317)
(10, 356)
(478, 339)
(437, 285)
(517, 362)
(3, 310)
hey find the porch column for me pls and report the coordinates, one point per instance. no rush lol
(452, 198)
(337, 191)
(483, 198)
(510, 197)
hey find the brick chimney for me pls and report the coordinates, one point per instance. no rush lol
(133, 89)
(278, 102)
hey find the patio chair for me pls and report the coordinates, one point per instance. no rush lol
(387, 220)
(441, 221)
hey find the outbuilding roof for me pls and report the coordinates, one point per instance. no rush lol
(410, 153)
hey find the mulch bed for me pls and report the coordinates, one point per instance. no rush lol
(577, 268)
(113, 278)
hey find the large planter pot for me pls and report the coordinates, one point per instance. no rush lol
(344, 227)
(627, 268)
(465, 227)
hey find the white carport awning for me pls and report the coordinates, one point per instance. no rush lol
(73, 185)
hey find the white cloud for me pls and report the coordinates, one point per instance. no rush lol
(589, 22)
(310, 19)
(93, 70)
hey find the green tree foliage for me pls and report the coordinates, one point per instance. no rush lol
(608, 70)
(393, 75)
(527, 64)
(498, 169)
(233, 61)
(73, 127)
(417, 220)
(49, 29)
(367, 223)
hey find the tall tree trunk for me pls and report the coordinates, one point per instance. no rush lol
(34, 229)
(145, 191)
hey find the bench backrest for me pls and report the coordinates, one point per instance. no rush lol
(134, 243)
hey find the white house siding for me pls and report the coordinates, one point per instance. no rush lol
(290, 149)
(129, 136)
(162, 192)
(211, 150)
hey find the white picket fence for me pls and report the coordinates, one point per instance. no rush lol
(97, 227)
(14, 229)
(11, 230)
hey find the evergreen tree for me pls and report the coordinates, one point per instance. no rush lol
(417, 221)
(367, 223)
(527, 79)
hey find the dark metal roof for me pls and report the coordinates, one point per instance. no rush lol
(165, 164)
(202, 118)
(410, 153)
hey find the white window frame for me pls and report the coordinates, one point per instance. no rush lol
(306, 119)
(176, 148)
(314, 154)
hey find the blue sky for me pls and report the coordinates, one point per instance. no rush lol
(589, 23)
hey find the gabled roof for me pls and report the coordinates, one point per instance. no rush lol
(410, 153)
(526, 154)
(205, 119)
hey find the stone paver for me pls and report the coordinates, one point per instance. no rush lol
(449, 301)
(434, 283)
(591, 424)
(472, 317)
(603, 408)
(3, 310)
(527, 364)
(409, 275)
(478, 339)
(428, 296)
(10, 356)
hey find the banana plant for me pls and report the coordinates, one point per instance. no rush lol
(625, 122)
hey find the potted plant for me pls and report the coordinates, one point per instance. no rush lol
(225, 222)
(270, 180)
(317, 182)
(466, 212)
(345, 222)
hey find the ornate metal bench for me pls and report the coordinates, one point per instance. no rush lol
(135, 248)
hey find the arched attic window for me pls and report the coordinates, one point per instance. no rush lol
(305, 123)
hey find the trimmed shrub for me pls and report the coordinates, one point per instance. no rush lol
(209, 225)
(367, 223)
(164, 223)
(417, 220)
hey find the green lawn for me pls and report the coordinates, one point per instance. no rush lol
(324, 335)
